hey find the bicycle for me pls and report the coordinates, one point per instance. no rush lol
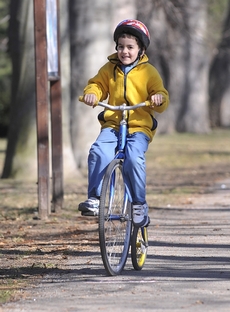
(116, 229)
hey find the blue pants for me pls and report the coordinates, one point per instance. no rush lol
(102, 152)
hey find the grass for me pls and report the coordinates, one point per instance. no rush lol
(180, 150)
(177, 164)
(187, 150)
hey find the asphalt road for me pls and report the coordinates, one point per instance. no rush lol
(187, 269)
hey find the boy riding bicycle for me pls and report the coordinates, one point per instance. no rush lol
(128, 78)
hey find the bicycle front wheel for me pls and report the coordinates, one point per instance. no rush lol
(114, 219)
(139, 247)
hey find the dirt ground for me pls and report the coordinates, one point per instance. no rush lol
(30, 248)
(57, 266)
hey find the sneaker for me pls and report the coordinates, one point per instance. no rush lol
(89, 207)
(140, 215)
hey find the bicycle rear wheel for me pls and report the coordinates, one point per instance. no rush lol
(139, 247)
(114, 219)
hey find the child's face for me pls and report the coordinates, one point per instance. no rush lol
(127, 50)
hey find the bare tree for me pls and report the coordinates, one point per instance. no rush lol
(21, 156)
(194, 115)
(219, 87)
(21, 149)
(178, 50)
(68, 156)
(91, 26)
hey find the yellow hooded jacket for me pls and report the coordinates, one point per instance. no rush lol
(137, 86)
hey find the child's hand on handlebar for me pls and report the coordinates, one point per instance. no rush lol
(90, 99)
(156, 100)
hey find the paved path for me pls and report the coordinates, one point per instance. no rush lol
(188, 267)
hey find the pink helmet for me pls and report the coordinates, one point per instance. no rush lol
(135, 28)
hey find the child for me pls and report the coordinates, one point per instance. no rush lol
(126, 78)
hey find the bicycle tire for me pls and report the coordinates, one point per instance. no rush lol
(115, 222)
(139, 247)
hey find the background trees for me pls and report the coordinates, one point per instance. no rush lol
(5, 68)
(179, 50)
(182, 45)
(219, 87)
(91, 28)
(21, 148)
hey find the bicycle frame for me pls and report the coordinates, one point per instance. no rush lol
(115, 217)
(121, 141)
(123, 124)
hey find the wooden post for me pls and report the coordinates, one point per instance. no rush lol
(56, 128)
(42, 107)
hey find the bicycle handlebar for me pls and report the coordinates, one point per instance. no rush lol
(119, 107)
(122, 107)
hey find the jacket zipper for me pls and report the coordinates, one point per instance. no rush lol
(125, 78)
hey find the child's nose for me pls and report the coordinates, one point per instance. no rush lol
(125, 49)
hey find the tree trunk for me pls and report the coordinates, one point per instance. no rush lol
(91, 25)
(194, 115)
(121, 10)
(68, 156)
(219, 81)
(178, 51)
(21, 148)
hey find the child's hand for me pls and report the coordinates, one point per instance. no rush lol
(156, 100)
(90, 99)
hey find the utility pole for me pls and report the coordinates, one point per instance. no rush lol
(54, 75)
(42, 107)
(47, 68)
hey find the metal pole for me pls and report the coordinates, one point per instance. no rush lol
(56, 130)
(42, 107)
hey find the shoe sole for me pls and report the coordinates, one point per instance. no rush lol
(142, 224)
(83, 207)
(89, 213)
